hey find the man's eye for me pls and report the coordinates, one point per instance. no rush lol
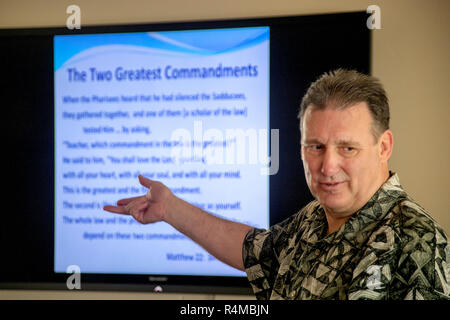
(314, 148)
(349, 150)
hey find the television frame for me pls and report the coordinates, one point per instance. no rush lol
(29, 253)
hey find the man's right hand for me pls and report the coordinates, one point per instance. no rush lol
(146, 209)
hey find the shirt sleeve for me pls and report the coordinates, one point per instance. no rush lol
(415, 268)
(261, 251)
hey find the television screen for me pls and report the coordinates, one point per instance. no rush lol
(187, 108)
(208, 108)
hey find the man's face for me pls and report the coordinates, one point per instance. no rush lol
(344, 166)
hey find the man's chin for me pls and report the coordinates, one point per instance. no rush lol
(332, 203)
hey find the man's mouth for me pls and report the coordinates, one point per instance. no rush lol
(330, 185)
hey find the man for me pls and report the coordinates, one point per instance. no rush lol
(362, 238)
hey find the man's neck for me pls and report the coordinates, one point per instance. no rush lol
(335, 223)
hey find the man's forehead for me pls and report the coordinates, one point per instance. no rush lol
(342, 125)
(358, 112)
(335, 106)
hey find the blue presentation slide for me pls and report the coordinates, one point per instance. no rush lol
(188, 108)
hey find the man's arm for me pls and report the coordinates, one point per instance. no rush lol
(221, 238)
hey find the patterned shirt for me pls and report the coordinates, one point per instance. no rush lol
(390, 249)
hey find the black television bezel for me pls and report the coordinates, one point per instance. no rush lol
(285, 198)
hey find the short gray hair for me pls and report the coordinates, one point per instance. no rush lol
(343, 88)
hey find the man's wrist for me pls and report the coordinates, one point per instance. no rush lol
(173, 208)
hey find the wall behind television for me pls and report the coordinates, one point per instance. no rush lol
(410, 55)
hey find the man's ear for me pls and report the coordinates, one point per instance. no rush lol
(386, 145)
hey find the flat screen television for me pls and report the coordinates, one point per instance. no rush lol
(208, 107)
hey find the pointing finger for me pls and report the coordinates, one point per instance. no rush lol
(114, 209)
(124, 202)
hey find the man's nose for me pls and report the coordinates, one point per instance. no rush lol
(330, 163)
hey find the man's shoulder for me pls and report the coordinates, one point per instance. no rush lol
(405, 214)
(281, 232)
(410, 219)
